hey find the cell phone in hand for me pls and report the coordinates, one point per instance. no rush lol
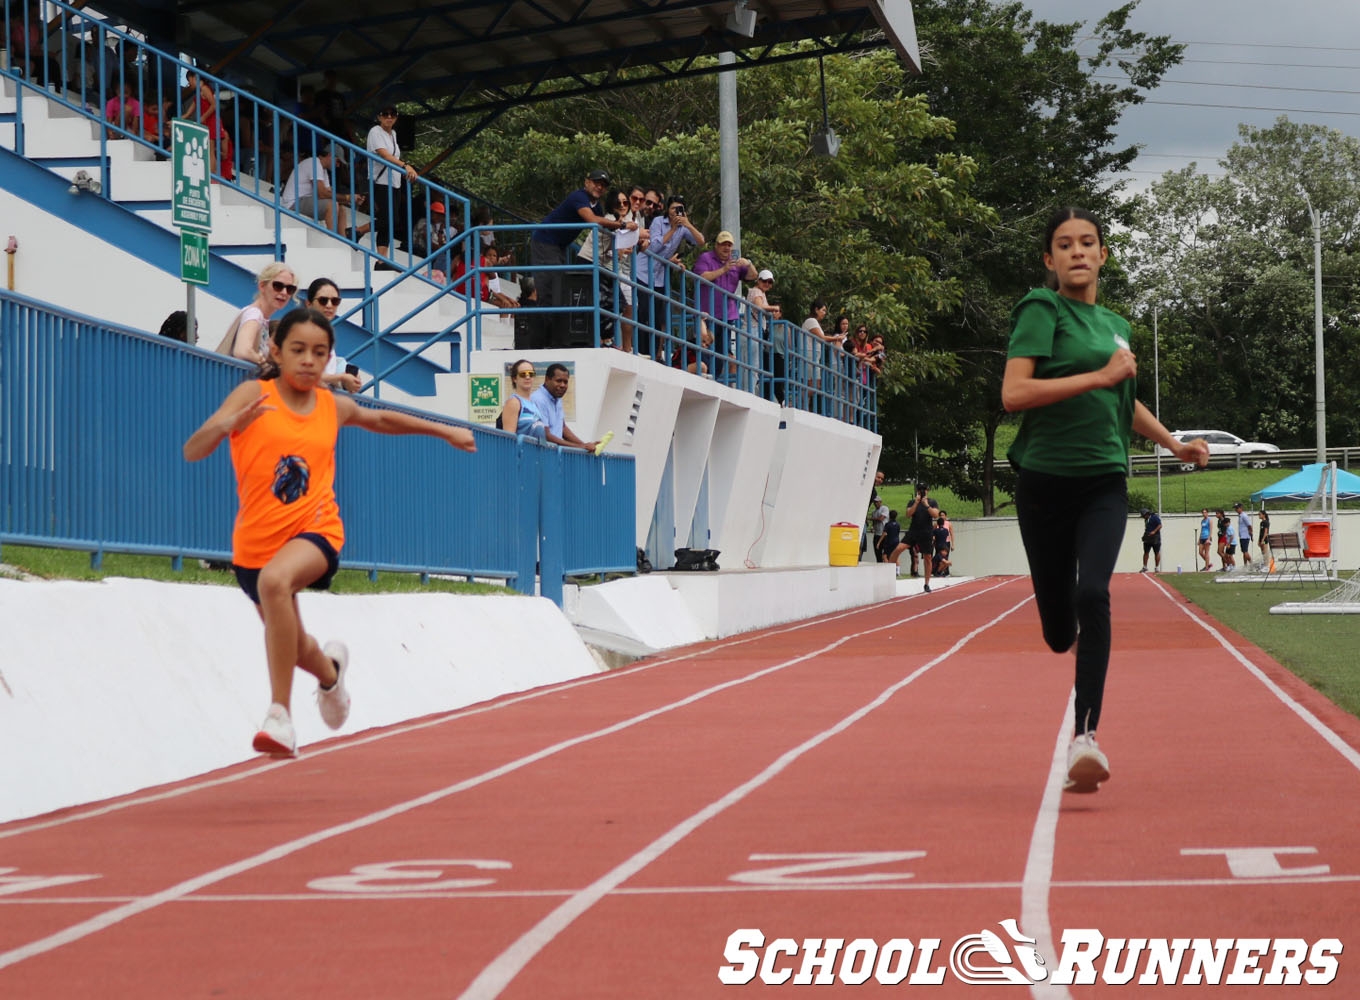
(351, 369)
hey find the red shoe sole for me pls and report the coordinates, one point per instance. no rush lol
(264, 743)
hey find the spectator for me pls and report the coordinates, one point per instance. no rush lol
(1221, 522)
(323, 295)
(876, 357)
(727, 272)
(817, 342)
(330, 106)
(590, 239)
(248, 336)
(1205, 533)
(176, 326)
(387, 209)
(430, 235)
(891, 540)
(496, 297)
(779, 346)
(669, 232)
(124, 111)
(921, 514)
(688, 357)
(1152, 538)
(547, 403)
(519, 415)
(626, 242)
(1243, 533)
(1229, 546)
(880, 518)
(219, 145)
(310, 190)
(760, 312)
(548, 247)
(939, 564)
(1263, 537)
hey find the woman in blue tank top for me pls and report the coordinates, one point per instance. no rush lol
(519, 415)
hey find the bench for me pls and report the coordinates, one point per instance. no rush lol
(1287, 555)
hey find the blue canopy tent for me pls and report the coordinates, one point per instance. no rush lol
(1304, 483)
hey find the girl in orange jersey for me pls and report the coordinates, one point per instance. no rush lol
(288, 531)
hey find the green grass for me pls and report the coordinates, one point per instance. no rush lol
(1182, 493)
(1320, 649)
(66, 564)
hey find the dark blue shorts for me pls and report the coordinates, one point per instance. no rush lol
(249, 579)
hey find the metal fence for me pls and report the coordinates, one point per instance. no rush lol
(93, 419)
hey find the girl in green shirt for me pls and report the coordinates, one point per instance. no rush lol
(1069, 368)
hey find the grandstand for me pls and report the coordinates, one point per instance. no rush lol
(718, 464)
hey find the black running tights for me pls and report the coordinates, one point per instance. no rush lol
(1072, 528)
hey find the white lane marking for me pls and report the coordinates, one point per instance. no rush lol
(493, 979)
(1332, 738)
(115, 916)
(1038, 877)
(464, 713)
(705, 890)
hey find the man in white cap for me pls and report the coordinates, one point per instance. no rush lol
(727, 271)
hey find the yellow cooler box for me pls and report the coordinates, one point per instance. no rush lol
(844, 544)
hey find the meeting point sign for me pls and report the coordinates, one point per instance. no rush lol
(1008, 957)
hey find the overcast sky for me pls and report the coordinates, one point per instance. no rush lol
(1245, 53)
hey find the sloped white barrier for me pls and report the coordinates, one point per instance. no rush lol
(109, 687)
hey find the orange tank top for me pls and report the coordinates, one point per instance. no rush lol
(285, 478)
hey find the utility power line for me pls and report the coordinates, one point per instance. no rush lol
(1251, 86)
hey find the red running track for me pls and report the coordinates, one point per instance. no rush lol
(880, 776)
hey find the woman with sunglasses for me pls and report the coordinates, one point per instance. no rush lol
(248, 336)
(324, 297)
(519, 415)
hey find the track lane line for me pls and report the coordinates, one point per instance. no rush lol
(1038, 878)
(401, 729)
(502, 970)
(175, 892)
(1329, 735)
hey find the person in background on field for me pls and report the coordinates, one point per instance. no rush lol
(323, 295)
(1152, 538)
(1205, 536)
(890, 546)
(880, 518)
(1070, 372)
(920, 531)
(939, 564)
(547, 403)
(288, 535)
(1221, 523)
(519, 415)
(248, 336)
(1230, 546)
(1243, 534)
(1263, 536)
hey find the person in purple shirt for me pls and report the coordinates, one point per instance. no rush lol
(548, 247)
(727, 272)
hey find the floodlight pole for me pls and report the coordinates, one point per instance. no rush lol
(729, 174)
(1157, 401)
(1320, 374)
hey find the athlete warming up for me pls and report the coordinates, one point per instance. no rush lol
(288, 532)
(1070, 370)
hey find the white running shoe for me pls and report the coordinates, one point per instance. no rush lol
(334, 704)
(276, 736)
(1087, 766)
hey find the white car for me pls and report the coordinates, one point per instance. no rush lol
(1223, 443)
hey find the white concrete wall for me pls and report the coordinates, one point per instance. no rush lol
(992, 545)
(109, 687)
(777, 478)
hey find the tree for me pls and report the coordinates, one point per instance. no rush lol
(858, 230)
(1229, 265)
(1041, 127)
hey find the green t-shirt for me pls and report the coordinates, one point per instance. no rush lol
(1086, 435)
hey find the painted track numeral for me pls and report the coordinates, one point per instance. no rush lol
(408, 876)
(799, 874)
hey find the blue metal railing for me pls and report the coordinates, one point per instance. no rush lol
(89, 462)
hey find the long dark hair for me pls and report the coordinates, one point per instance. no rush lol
(279, 331)
(1062, 215)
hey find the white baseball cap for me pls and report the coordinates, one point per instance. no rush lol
(766, 275)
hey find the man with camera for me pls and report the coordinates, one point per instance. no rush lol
(669, 233)
(920, 534)
(727, 272)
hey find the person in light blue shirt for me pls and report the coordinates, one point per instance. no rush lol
(547, 403)
(669, 232)
(1243, 533)
(519, 415)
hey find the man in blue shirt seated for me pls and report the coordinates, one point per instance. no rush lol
(548, 247)
(547, 403)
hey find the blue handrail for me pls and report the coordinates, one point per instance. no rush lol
(88, 465)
